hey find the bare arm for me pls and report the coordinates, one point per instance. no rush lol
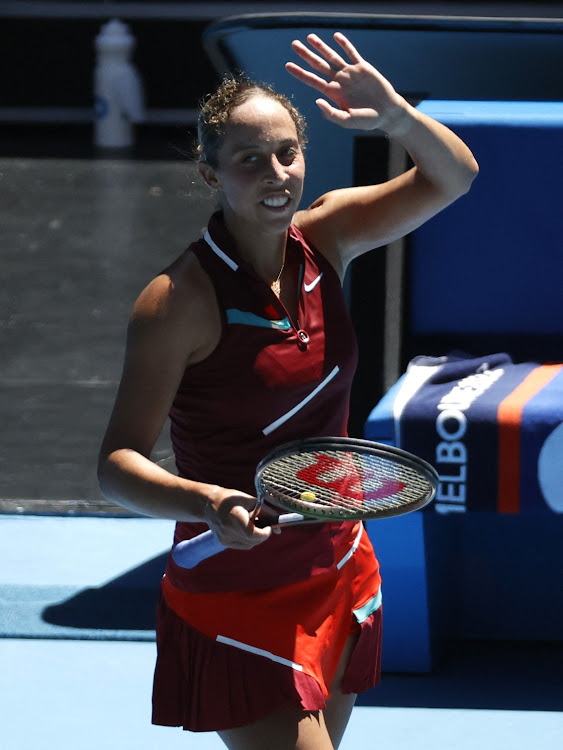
(174, 323)
(351, 221)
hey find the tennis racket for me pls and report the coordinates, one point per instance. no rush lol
(329, 479)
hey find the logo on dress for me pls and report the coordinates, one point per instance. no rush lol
(309, 287)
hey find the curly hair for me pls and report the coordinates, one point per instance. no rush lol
(216, 109)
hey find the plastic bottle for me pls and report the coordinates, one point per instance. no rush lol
(118, 89)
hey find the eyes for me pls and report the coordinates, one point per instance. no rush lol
(255, 158)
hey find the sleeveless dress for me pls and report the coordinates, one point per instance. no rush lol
(249, 630)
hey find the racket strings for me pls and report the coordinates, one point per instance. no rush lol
(346, 484)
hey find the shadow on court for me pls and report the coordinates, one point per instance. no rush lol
(499, 675)
(125, 603)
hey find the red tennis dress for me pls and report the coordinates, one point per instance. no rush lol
(247, 631)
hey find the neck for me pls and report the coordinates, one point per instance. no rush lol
(264, 251)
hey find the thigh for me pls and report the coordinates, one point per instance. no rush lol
(339, 706)
(288, 728)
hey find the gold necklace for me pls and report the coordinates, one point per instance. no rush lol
(276, 286)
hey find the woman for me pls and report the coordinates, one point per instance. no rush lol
(245, 342)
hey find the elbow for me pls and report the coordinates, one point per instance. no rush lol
(471, 172)
(108, 478)
(103, 475)
(461, 184)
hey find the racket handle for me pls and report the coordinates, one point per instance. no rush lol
(191, 552)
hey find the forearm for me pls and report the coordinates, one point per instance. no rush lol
(129, 479)
(439, 155)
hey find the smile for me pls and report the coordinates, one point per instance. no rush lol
(276, 201)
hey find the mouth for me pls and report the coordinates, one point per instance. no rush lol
(276, 201)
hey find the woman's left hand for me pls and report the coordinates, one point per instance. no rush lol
(365, 99)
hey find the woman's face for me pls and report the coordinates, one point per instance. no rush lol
(261, 167)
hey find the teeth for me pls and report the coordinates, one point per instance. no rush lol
(276, 201)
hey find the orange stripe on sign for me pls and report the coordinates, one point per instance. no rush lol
(509, 418)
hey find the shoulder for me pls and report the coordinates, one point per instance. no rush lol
(178, 310)
(347, 222)
(317, 226)
(175, 289)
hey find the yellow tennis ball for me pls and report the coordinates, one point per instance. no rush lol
(308, 497)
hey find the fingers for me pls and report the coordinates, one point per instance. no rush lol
(307, 77)
(346, 118)
(348, 47)
(313, 60)
(267, 517)
(326, 62)
(323, 58)
(337, 116)
(241, 532)
(242, 528)
(230, 515)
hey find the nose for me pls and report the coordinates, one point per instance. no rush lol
(275, 173)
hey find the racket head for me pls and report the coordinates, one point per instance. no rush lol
(344, 479)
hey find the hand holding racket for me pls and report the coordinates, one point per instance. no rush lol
(329, 479)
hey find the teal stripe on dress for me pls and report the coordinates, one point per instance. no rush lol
(249, 319)
(368, 609)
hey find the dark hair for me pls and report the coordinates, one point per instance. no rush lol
(216, 109)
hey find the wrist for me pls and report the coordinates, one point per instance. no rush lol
(211, 501)
(398, 120)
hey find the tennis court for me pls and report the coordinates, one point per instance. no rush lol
(67, 678)
(77, 593)
(82, 233)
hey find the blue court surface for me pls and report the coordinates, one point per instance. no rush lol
(77, 653)
(68, 694)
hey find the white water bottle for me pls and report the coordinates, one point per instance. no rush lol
(118, 89)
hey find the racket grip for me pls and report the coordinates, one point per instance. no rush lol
(191, 552)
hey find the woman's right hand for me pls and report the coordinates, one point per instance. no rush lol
(230, 516)
(364, 98)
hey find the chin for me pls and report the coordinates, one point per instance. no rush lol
(278, 225)
(283, 217)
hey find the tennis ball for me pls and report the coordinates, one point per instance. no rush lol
(308, 497)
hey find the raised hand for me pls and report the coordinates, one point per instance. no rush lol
(364, 99)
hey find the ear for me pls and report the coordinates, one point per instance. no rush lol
(209, 175)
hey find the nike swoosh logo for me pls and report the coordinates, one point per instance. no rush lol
(309, 287)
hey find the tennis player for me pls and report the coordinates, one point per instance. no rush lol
(245, 342)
